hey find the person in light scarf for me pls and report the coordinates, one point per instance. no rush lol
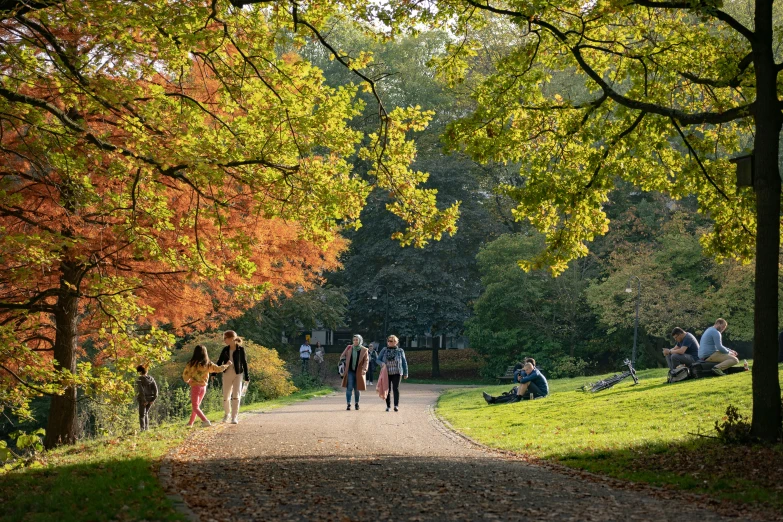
(357, 359)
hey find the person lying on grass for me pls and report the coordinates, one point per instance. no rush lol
(532, 385)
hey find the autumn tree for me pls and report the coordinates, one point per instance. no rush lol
(160, 167)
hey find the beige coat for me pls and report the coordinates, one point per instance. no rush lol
(361, 367)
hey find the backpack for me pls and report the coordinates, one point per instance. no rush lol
(678, 374)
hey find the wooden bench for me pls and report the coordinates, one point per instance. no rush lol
(508, 376)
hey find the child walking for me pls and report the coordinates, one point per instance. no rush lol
(147, 392)
(196, 374)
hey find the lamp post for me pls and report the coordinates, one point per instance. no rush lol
(629, 289)
(375, 294)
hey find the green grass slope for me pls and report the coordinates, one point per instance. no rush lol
(646, 432)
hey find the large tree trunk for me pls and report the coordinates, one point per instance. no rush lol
(766, 385)
(61, 428)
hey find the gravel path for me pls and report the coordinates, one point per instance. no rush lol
(315, 461)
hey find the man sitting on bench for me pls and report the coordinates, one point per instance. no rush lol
(711, 348)
(532, 383)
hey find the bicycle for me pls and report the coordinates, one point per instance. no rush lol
(605, 384)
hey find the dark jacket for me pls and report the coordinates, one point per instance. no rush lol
(240, 362)
(537, 378)
(146, 388)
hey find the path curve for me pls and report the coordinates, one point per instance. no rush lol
(314, 461)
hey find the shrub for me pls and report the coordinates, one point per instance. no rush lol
(734, 429)
(565, 366)
(269, 378)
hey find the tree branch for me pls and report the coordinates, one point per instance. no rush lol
(705, 8)
(695, 118)
(22, 381)
(730, 82)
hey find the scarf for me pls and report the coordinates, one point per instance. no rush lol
(355, 356)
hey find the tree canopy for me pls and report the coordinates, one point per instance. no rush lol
(656, 93)
(161, 162)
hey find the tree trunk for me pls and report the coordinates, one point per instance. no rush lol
(766, 423)
(61, 427)
(435, 359)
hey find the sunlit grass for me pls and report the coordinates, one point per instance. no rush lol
(616, 430)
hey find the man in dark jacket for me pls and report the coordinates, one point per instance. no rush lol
(146, 393)
(532, 383)
(232, 377)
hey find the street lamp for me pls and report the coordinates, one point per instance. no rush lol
(375, 294)
(629, 289)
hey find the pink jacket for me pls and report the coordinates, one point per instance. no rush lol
(382, 386)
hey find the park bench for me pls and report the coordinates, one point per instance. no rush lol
(508, 376)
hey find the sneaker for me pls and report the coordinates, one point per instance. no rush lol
(370, 384)
(718, 371)
(388, 409)
(348, 408)
(226, 418)
(234, 421)
(206, 423)
(356, 406)
(395, 409)
(487, 397)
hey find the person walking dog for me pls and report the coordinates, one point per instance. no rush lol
(196, 374)
(396, 366)
(232, 378)
(356, 358)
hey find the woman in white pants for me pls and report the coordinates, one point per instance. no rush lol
(232, 377)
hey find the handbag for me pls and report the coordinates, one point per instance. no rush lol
(341, 367)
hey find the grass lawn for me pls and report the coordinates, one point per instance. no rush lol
(105, 479)
(642, 433)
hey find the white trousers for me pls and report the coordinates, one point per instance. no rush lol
(232, 388)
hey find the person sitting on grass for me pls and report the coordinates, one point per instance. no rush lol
(518, 371)
(685, 352)
(532, 382)
(711, 348)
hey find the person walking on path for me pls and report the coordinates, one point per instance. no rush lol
(356, 359)
(396, 366)
(232, 378)
(147, 392)
(196, 374)
(373, 362)
(304, 354)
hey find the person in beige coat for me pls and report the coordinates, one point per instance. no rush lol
(357, 359)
